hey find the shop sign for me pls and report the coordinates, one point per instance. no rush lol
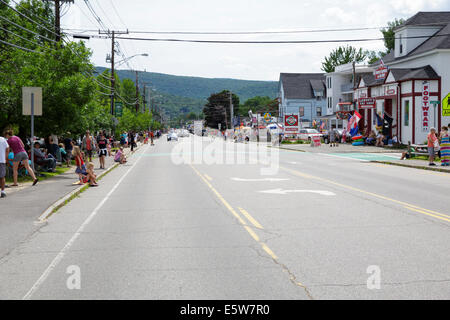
(291, 124)
(425, 105)
(381, 72)
(390, 90)
(367, 103)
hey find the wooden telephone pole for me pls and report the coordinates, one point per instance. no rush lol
(113, 50)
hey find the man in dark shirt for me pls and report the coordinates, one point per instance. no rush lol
(42, 160)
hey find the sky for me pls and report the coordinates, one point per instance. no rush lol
(239, 61)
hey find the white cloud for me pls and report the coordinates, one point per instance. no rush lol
(263, 62)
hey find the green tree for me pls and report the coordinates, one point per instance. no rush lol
(389, 34)
(259, 104)
(217, 110)
(389, 41)
(343, 55)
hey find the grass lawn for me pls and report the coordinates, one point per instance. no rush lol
(47, 175)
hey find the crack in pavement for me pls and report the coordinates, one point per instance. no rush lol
(292, 276)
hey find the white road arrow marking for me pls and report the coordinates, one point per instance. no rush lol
(281, 191)
(263, 179)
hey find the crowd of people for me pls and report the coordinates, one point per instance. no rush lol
(15, 155)
(439, 143)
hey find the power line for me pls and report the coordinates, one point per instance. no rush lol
(275, 41)
(25, 29)
(267, 32)
(19, 47)
(17, 35)
(29, 19)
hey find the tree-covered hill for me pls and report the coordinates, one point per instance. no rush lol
(201, 88)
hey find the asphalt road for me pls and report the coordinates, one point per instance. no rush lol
(213, 226)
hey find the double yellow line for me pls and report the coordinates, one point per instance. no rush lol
(241, 220)
(406, 205)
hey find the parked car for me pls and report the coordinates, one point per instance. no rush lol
(172, 136)
(307, 134)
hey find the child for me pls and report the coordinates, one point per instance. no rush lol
(81, 169)
(120, 157)
(64, 155)
(91, 176)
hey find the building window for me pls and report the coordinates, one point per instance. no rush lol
(406, 114)
(401, 44)
(330, 102)
(319, 111)
(301, 111)
(329, 83)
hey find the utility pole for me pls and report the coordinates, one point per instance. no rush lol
(137, 92)
(113, 50)
(58, 17)
(231, 111)
(143, 97)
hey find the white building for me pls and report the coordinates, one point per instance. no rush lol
(340, 92)
(418, 73)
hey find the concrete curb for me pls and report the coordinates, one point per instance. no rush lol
(68, 197)
(411, 166)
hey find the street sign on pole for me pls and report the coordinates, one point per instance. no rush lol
(118, 109)
(27, 101)
(32, 106)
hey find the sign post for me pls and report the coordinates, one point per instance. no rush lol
(32, 106)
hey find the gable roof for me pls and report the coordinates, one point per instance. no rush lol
(426, 72)
(440, 40)
(428, 18)
(301, 85)
(401, 74)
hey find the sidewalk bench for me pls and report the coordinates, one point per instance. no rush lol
(419, 150)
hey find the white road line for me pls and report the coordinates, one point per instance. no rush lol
(62, 253)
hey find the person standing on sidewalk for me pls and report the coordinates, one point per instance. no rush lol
(102, 150)
(20, 156)
(88, 145)
(152, 136)
(445, 147)
(4, 151)
(433, 143)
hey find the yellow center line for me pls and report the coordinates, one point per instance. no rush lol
(405, 204)
(252, 233)
(269, 252)
(428, 214)
(240, 219)
(250, 218)
(207, 177)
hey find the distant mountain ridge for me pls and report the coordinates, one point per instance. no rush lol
(201, 88)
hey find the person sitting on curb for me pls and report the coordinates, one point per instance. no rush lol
(120, 157)
(91, 176)
(380, 139)
(41, 159)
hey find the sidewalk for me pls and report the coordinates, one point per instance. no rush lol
(342, 148)
(417, 164)
(23, 205)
